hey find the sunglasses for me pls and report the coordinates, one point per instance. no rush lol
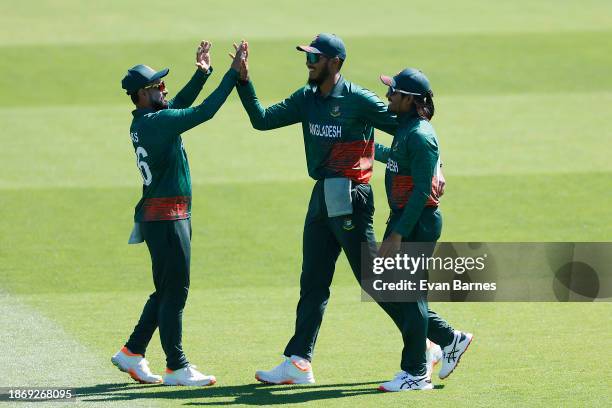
(312, 58)
(393, 90)
(161, 86)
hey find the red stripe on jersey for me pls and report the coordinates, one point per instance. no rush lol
(353, 160)
(402, 187)
(165, 208)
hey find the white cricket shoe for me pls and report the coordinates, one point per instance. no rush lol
(433, 354)
(188, 376)
(135, 365)
(406, 382)
(453, 352)
(293, 370)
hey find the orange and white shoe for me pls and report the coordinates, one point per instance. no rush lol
(188, 376)
(433, 354)
(293, 370)
(136, 366)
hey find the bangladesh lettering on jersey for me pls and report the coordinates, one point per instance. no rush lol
(392, 165)
(317, 129)
(338, 128)
(413, 155)
(413, 177)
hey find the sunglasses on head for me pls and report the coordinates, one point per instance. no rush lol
(313, 58)
(161, 86)
(393, 90)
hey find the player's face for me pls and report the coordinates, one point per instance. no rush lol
(318, 68)
(397, 102)
(395, 99)
(157, 95)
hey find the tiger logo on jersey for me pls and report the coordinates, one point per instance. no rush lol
(335, 111)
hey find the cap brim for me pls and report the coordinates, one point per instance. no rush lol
(308, 48)
(160, 74)
(387, 80)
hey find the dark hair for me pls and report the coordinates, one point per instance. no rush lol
(424, 105)
(340, 61)
(134, 97)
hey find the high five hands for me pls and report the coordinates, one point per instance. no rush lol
(203, 56)
(240, 60)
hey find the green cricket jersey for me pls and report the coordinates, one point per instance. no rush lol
(337, 128)
(160, 155)
(412, 178)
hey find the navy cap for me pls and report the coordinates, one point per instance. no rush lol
(326, 44)
(410, 80)
(139, 76)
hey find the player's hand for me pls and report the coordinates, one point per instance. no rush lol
(239, 58)
(244, 64)
(390, 246)
(441, 182)
(203, 56)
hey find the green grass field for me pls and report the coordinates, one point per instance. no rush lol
(523, 101)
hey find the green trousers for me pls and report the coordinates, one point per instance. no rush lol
(415, 320)
(169, 244)
(323, 240)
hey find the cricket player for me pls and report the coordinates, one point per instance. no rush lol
(413, 183)
(162, 216)
(338, 119)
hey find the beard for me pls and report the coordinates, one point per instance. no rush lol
(319, 79)
(158, 105)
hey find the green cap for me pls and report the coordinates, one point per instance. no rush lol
(140, 76)
(326, 44)
(411, 81)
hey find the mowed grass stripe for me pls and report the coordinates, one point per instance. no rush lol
(479, 135)
(250, 234)
(233, 331)
(556, 62)
(72, 21)
(40, 353)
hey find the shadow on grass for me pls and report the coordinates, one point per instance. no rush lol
(248, 394)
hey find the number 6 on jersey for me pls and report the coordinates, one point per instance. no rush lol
(143, 166)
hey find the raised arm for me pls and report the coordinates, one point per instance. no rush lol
(376, 114)
(181, 120)
(186, 96)
(284, 113)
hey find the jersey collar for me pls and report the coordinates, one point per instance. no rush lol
(336, 91)
(407, 117)
(141, 112)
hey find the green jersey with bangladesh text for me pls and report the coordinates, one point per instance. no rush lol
(413, 177)
(338, 128)
(160, 155)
